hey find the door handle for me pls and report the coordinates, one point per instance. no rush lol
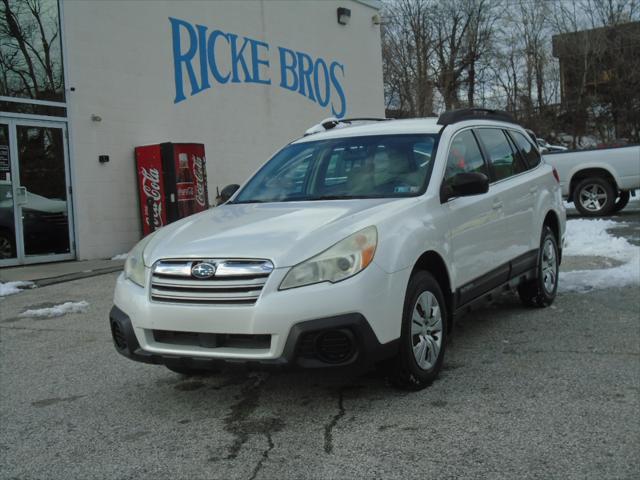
(497, 205)
(533, 189)
(21, 195)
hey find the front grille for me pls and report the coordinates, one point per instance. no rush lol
(212, 340)
(235, 282)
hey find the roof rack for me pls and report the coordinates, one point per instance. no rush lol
(333, 122)
(454, 116)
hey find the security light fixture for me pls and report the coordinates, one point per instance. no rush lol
(344, 15)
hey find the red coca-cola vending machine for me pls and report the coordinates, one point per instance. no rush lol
(172, 182)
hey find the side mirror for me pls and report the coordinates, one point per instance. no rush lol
(464, 185)
(227, 192)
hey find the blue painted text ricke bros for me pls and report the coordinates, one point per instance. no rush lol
(246, 60)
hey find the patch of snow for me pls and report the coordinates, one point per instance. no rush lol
(11, 288)
(590, 238)
(120, 256)
(56, 310)
(586, 280)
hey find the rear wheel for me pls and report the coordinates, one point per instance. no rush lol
(541, 291)
(594, 197)
(621, 201)
(422, 340)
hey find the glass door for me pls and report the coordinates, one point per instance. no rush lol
(34, 193)
(8, 251)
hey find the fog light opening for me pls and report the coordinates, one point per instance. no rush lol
(335, 346)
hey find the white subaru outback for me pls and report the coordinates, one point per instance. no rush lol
(356, 243)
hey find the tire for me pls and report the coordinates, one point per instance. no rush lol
(594, 197)
(415, 367)
(6, 245)
(541, 291)
(621, 201)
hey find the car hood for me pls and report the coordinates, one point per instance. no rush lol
(285, 233)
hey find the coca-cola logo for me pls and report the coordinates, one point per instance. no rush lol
(156, 216)
(151, 189)
(151, 183)
(185, 191)
(198, 173)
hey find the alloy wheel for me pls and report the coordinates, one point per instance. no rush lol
(593, 197)
(426, 330)
(549, 266)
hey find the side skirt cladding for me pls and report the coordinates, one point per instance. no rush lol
(509, 275)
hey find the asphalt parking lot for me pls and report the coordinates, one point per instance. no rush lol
(524, 393)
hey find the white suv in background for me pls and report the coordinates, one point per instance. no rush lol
(356, 243)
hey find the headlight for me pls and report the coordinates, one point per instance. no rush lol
(134, 266)
(343, 260)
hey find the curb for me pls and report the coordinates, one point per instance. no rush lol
(43, 282)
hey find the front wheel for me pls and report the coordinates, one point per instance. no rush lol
(594, 197)
(423, 335)
(541, 291)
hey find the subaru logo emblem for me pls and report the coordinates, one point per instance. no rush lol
(203, 270)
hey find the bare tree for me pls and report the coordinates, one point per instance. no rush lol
(439, 52)
(30, 58)
(407, 51)
(599, 54)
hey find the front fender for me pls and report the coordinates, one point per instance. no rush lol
(404, 238)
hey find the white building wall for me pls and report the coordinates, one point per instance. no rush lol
(121, 68)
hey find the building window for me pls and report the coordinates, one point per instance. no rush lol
(30, 51)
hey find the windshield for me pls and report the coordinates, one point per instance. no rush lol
(343, 168)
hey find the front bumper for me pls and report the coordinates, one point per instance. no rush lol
(369, 305)
(303, 347)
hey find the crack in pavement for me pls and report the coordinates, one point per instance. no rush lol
(240, 411)
(238, 424)
(328, 428)
(264, 458)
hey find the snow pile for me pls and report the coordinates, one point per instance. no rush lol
(10, 288)
(120, 256)
(56, 310)
(590, 238)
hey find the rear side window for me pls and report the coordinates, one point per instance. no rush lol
(504, 161)
(464, 156)
(527, 150)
